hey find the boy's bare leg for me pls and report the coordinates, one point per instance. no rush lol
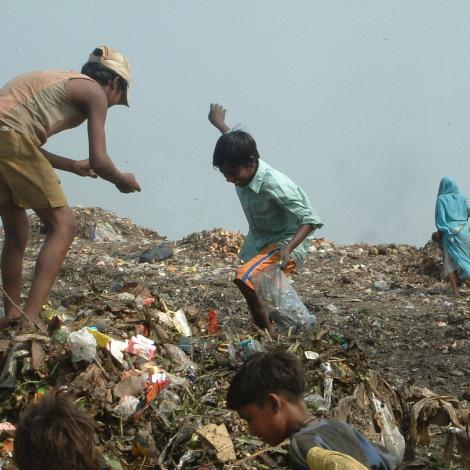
(15, 226)
(61, 228)
(453, 283)
(257, 309)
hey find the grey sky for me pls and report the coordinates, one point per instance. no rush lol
(365, 104)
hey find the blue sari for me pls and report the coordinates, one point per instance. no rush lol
(451, 219)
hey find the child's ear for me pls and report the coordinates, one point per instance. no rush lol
(274, 402)
(252, 161)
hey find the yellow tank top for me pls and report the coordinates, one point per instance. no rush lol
(37, 104)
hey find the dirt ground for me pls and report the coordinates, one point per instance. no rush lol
(380, 309)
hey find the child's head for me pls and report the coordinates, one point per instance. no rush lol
(268, 393)
(55, 434)
(107, 65)
(236, 156)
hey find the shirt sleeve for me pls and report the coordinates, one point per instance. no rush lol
(324, 459)
(293, 199)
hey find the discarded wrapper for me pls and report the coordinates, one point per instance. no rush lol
(102, 340)
(181, 323)
(141, 346)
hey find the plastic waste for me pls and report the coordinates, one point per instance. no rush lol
(192, 346)
(188, 457)
(126, 407)
(327, 384)
(178, 357)
(285, 307)
(116, 349)
(181, 323)
(249, 347)
(102, 340)
(191, 373)
(341, 340)
(312, 355)
(82, 345)
(141, 346)
(8, 375)
(213, 322)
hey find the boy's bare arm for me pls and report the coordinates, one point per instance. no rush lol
(90, 98)
(302, 232)
(79, 167)
(217, 117)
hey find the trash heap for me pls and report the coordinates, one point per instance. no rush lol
(147, 334)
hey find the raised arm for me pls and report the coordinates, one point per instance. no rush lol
(217, 118)
(90, 98)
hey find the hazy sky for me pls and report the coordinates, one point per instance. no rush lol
(365, 104)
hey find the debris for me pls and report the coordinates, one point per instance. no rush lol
(375, 342)
(82, 345)
(156, 253)
(141, 346)
(213, 322)
(218, 437)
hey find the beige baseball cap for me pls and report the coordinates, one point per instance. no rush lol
(115, 61)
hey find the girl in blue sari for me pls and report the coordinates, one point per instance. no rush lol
(451, 218)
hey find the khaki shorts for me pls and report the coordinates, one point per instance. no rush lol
(26, 176)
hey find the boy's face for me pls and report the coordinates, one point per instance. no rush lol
(239, 175)
(266, 421)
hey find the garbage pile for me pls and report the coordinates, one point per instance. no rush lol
(150, 347)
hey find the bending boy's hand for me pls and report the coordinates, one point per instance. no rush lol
(217, 117)
(128, 183)
(82, 168)
(285, 257)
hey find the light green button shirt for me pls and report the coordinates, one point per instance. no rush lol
(275, 207)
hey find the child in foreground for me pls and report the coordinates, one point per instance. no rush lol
(268, 392)
(280, 217)
(56, 434)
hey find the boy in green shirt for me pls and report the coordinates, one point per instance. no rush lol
(280, 218)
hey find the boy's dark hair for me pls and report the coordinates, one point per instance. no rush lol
(56, 434)
(235, 148)
(102, 74)
(262, 373)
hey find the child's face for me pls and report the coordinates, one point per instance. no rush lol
(266, 421)
(239, 175)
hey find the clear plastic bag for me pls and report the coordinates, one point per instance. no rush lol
(284, 305)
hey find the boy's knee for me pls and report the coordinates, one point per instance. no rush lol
(16, 235)
(63, 223)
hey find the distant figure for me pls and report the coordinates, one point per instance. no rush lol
(453, 231)
(33, 107)
(56, 434)
(268, 392)
(280, 217)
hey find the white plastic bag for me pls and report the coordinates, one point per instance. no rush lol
(284, 305)
(82, 345)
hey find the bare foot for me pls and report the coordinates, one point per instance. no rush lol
(36, 323)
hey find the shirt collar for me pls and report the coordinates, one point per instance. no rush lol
(258, 178)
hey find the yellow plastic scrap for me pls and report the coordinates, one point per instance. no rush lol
(102, 340)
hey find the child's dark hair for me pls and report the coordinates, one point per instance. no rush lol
(235, 148)
(102, 74)
(56, 434)
(262, 373)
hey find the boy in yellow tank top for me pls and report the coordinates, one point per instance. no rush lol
(33, 107)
